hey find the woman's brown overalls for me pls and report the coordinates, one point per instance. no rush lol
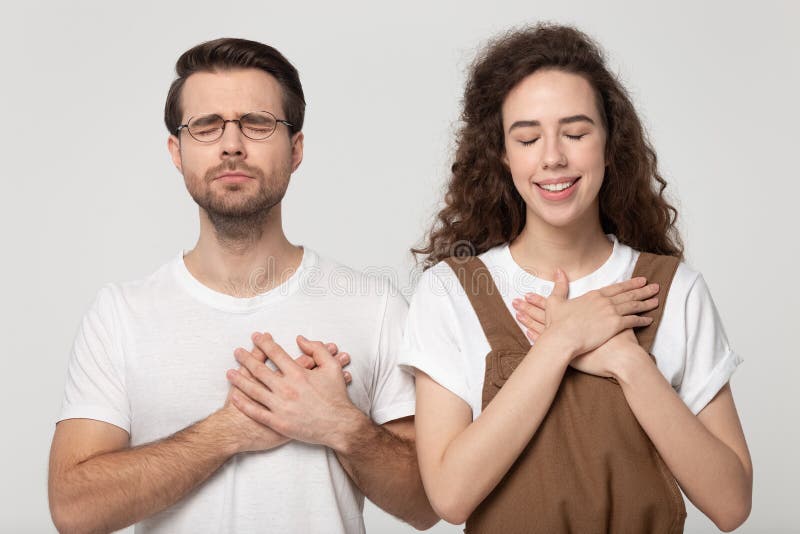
(589, 468)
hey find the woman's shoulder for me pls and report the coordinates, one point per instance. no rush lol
(684, 279)
(687, 293)
(686, 276)
(434, 282)
(440, 282)
(443, 271)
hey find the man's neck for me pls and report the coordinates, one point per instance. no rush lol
(578, 249)
(246, 266)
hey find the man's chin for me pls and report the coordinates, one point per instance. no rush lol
(232, 186)
(237, 212)
(232, 203)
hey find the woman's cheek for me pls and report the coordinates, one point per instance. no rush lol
(522, 165)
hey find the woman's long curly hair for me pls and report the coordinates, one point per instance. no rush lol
(483, 208)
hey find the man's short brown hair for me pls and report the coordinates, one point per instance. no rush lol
(229, 53)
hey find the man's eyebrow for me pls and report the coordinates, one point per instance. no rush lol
(565, 120)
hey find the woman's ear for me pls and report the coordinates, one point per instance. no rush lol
(504, 158)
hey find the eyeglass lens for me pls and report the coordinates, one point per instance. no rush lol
(255, 125)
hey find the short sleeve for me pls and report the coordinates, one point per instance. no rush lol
(95, 385)
(393, 390)
(430, 343)
(710, 362)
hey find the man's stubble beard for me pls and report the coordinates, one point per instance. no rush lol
(237, 219)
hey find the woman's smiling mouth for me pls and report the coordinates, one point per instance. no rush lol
(557, 189)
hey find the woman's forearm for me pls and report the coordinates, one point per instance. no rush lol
(713, 474)
(475, 461)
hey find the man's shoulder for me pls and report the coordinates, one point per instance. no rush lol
(133, 293)
(335, 279)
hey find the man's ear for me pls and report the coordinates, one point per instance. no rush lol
(297, 150)
(174, 147)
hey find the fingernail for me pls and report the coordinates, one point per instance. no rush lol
(516, 302)
(529, 298)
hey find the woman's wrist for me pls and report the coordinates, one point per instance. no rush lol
(560, 343)
(631, 363)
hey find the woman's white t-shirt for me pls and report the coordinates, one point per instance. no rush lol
(444, 338)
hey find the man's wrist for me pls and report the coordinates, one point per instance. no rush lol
(351, 430)
(223, 431)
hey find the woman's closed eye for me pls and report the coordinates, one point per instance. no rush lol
(575, 137)
(528, 142)
(571, 137)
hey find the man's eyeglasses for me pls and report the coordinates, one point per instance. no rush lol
(256, 125)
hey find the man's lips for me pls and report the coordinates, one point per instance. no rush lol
(233, 177)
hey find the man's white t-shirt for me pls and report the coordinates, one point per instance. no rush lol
(150, 357)
(444, 338)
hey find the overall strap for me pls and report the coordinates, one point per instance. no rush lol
(501, 330)
(658, 269)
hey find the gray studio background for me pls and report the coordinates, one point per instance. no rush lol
(89, 194)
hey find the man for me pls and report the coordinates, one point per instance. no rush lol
(152, 433)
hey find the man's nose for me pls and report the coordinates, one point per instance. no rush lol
(232, 140)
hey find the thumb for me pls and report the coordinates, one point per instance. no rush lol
(316, 350)
(561, 287)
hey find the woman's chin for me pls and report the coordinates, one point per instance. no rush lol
(562, 219)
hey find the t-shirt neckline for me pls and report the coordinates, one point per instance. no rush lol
(608, 273)
(229, 303)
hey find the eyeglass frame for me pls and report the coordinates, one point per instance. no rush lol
(238, 123)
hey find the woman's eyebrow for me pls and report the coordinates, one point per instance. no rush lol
(564, 120)
(575, 118)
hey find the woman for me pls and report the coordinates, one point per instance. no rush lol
(556, 192)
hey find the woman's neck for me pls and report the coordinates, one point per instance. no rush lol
(578, 249)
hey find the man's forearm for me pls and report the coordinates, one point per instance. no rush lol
(113, 490)
(384, 467)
